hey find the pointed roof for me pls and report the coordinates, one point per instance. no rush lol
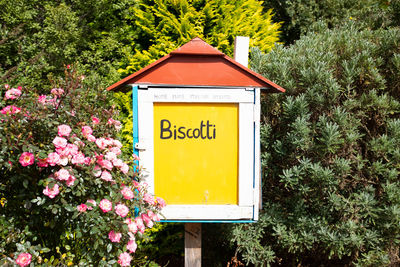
(197, 63)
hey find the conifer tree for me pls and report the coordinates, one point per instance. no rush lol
(160, 26)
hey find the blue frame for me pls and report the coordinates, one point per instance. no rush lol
(135, 117)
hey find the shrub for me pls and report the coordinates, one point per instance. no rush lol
(330, 152)
(68, 195)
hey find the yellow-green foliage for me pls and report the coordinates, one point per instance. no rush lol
(160, 26)
(164, 25)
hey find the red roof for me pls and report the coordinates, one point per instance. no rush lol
(197, 63)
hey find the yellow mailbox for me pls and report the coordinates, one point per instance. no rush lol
(196, 130)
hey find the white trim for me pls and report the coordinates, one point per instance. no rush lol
(207, 212)
(257, 155)
(146, 137)
(190, 95)
(245, 149)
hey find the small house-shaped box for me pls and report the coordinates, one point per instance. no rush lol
(196, 130)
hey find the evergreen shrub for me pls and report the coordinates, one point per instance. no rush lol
(330, 152)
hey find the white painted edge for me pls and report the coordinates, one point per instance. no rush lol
(198, 95)
(146, 139)
(207, 212)
(257, 153)
(246, 139)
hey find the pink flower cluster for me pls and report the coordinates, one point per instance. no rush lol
(13, 93)
(117, 124)
(9, 110)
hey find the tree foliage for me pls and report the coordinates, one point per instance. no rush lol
(160, 26)
(331, 152)
(298, 16)
(38, 38)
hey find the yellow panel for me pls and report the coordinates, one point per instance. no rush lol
(196, 153)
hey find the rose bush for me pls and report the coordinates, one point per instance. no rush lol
(68, 194)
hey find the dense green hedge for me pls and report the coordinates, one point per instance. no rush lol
(331, 152)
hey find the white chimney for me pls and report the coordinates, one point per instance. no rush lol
(241, 50)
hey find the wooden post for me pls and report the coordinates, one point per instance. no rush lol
(192, 244)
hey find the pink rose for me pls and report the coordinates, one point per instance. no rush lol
(91, 138)
(71, 149)
(95, 120)
(149, 198)
(114, 237)
(115, 150)
(53, 158)
(118, 163)
(132, 227)
(116, 123)
(51, 192)
(124, 259)
(139, 224)
(124, 168)
(26, 159)
(102, 143)
(42, 99)
(93, 202)
(127, 193)
(106, 176)
(86, 130)
(10, 110)
(24, 259)
(60, 142)
(131, 246)
(42, 162)
(106, 164)
(117, 143)
(153, 216)
(64, 130)
(88, 160)
(71, 180)
(147, 220)
(13, 93)
(78, 158)
(63, 161)
(82, 208)
(160, 202)
(121, 210)
(97, 171)
(62, 175)
(105, 205)
(110, 156)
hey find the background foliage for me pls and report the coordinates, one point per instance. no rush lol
(297, 16)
